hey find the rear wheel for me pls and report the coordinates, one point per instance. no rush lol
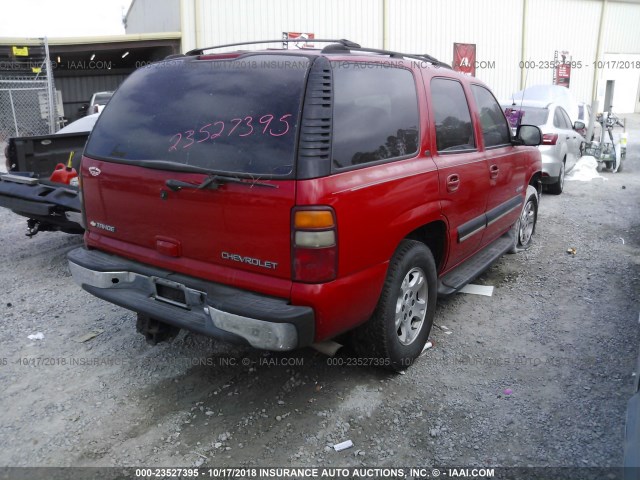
(402, 320)
(558, 187)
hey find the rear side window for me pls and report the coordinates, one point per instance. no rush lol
(566, 118)
(534, 115)
(375, 114)
(228, 116)
(452, 118)
(559, 120)
(495, 130)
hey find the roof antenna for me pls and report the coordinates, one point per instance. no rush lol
(520, 113)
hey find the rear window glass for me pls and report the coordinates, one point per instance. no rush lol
(229, 116)
(529, 116)
(375, 114)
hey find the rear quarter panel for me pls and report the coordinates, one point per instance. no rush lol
(376, 207)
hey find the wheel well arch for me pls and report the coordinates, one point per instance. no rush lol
(536, 182)
(434, 236)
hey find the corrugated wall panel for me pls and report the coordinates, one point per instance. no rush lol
(432, 27)
(228, 21)
(153, 16)
(570, 25)
(78, 90)
(421, 26)
(622, 28)
(188, 25)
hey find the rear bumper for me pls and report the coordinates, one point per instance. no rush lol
(550, 167)
(208, 308)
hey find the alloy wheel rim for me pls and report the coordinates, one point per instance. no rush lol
(411, 306)
(527, 221)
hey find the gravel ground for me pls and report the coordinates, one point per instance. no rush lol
(538, 374)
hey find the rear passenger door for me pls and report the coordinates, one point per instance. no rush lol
(463, 174)
(506, 173)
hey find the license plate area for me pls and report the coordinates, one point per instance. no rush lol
(171, 292)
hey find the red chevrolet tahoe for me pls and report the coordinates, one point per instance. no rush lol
(283, 197)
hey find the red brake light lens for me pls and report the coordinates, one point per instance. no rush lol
(549, 139)
(315, 245)
(314, 265)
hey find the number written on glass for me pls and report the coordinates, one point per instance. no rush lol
(236, 127)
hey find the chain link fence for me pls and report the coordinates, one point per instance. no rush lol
(27, 100)
(24, 107)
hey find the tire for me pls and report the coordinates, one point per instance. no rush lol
(558, 187)
(524, 228)
(400, 325)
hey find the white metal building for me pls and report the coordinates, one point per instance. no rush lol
(601, 38)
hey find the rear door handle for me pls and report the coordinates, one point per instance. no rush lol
(453, 182)
(494, 170)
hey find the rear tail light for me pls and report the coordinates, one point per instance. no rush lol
(549, 139)
(315, 245)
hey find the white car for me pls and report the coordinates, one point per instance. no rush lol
(561, 143)
(84, 124)
(549, 94)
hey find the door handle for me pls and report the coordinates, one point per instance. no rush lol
(494, 170)
(453, 182)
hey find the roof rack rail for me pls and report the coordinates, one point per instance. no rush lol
(336, 46)
(344, 42)
(432, 59)
(424, 57)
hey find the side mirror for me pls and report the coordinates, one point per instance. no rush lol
(579, 125)
(529, 135)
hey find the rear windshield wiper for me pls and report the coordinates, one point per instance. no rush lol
(170, 166)
(213, 182)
